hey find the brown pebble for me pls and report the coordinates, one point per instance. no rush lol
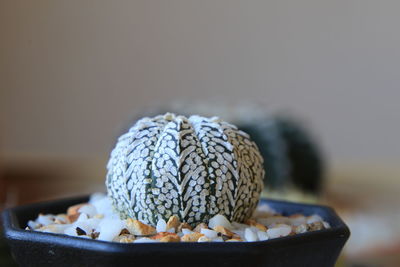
(225, 237)
(236, 236)
(124, 238)
(173, 222)
(193, 237)
(299, 229)
(161, 235)
(124, 232)
(73, 217)
(316, 226)
(94, 235)
(72, 212)
(259, 226)
(223, 231)
(199, 227)
(136, 227)
(74, 209)
(170, 238)
(183, 225)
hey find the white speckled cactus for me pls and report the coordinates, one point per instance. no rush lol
(192, 167)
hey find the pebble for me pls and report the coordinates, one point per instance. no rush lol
(314, 218)
(45, 219)
(193, 237)
(211, 234)
(219, 220)
(250, 235)
(279, 230)
(173, 223)
(109, 229)
(262, 236)
(297, 219)
(204, 239)
(199, 227)
(171, 230)
(161, 226)
(88, 209)
(186, 231)
(222, 230)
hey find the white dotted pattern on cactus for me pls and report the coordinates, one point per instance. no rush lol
(192, 167)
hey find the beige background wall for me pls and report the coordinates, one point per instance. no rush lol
(72, 71)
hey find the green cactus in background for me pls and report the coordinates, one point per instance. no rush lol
(292, 157)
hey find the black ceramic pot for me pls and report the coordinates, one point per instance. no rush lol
(30, 248)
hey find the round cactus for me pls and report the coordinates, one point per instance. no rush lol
(193, 168)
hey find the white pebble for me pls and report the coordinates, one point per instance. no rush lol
(249, 235)
(297, 220)
(61, 219)
(89, 209)
(84, 226)
(82, 217)
(211, 234)
(262, 235)
(161, 226)
(186, 231)
(110, 228)
(240, 233)
(71, 230)
(104, 206)
(93, 223)
(33, 224)
(171, 230)
(45, 219)
(279, 230)
(219, 220)
(254, 229)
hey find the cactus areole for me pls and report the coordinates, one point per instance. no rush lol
(193, 168)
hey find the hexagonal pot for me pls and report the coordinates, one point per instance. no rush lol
(30, 248)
